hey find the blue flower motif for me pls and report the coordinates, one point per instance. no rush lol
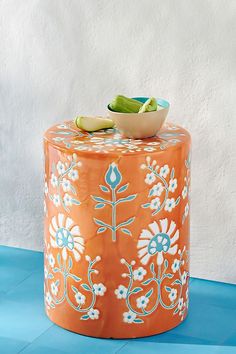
(113, 176)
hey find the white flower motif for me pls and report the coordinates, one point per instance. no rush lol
(184, 277)
(62, 126)
(73, 175)
(67, 199)
(48, 298)
(66, 236)
(164, 171)
(46, 188)
(173, 294)
(58, 139)
(80, 298)
(51, 260)
(172, 184)
(129, 317)
(54, 180)
(175, 265)
(186, 210)
(139, 273)
(153, 143)
(181, 303)
(93, 314)
(142, 302)
(45, 272)
(44, 206)
(169, 204)
(149, 149)
(160, 240)
(66, 185)
(60, 167)
(56, 200)
(121, 292)
(54, 288)
(184, 192)
(157, 189)
(155, 203)
(150, 178)
(172, 127)
(99, 289)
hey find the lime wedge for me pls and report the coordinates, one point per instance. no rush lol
(91, 124)
(149, 105)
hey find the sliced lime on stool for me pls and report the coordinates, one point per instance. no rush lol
(92, 124)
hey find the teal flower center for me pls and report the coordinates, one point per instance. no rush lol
(159, 243)
(64, 238)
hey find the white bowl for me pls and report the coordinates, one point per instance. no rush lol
(141, 125)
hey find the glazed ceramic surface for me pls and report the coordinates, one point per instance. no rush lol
(116, 231)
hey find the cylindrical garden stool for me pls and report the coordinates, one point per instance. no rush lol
(116, 231)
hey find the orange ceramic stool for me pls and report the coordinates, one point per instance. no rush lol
(116, 231)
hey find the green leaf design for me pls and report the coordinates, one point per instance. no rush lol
(147, 205)
(168, 289)
(177, 201)
(50, 276)
(62, 132)
(101, 229)
(149, 293)
(86, 287)
(99, 206)
(127, 199)
(56, 270)
(146, 282)
(138, 320)
(152, 268)
(75, 201)
(125, 223)
(104, 188)
(172, 174)
(101, 223)
(70, 262)
(123, 188)
(136, 290)
(74, 289)
(176, 311)
(169, 275)
(177, 281)
(84, 317)
(166, 264)
(150, 192)
(98, 199)
(126, 231)
(72, 189)
(75, 277)
(57, 282)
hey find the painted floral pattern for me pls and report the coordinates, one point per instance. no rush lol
(157, 278)
(111, 140)
(113, 179)
(186, 189)
(62, 190)
(162, 184)
(145, 219)
(66, 239)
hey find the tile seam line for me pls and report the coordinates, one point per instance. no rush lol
(29, 343)
(122, 347)
(22, 281)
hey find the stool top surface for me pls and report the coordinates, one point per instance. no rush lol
(67, 136)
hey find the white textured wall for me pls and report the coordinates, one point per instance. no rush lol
(61, 57)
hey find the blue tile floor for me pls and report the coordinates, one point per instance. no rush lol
(24, 327)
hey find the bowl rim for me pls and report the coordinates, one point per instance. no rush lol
(160, 101)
